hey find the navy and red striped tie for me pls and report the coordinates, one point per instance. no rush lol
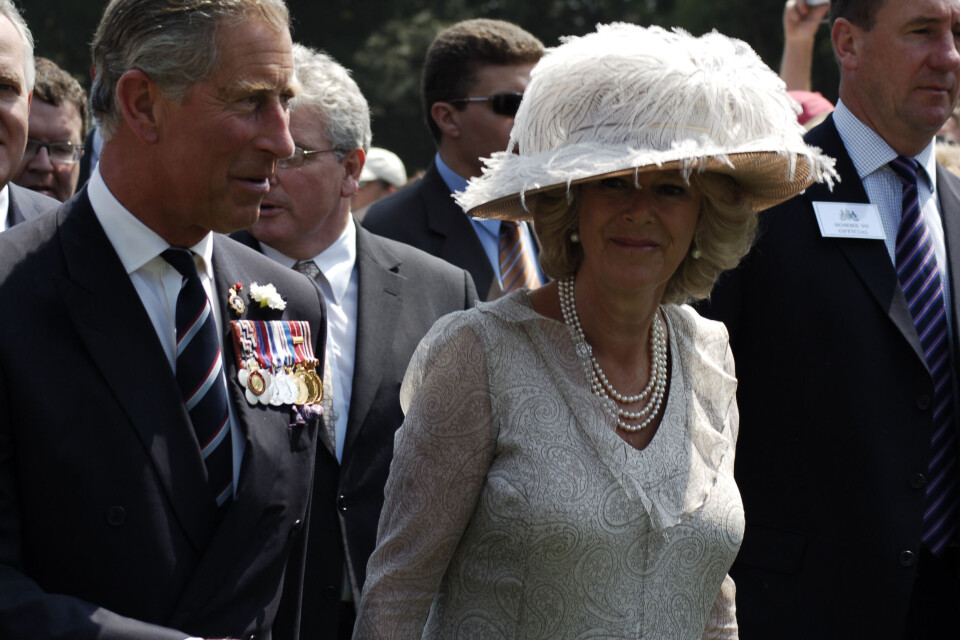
(919, 277)
(200, 375)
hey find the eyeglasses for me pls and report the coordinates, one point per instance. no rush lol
(59, 152)
(504, 104)
(300, 156)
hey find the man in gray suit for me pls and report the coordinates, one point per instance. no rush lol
(18, 73)
(382, 297)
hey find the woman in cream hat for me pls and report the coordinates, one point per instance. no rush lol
(565, 469)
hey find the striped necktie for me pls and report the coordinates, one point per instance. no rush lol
(516, 264)
(200, 375)
(922, 287)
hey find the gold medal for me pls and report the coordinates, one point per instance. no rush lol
(313, 384)
(303, 391)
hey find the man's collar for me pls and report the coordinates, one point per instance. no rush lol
(336, 262)
(869, 151)
(135, 243)
(455, 182)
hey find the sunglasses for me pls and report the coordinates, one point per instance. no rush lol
(504, 104)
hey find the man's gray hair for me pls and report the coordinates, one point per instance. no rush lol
(172, 41)
(9, 10)
(329, 93)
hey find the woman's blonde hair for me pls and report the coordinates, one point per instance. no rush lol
(724, 234)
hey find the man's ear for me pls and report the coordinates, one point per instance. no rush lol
(447, 119)
(352, 166)
(141, 104)
(845, 37)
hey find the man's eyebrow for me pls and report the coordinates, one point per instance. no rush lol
(8, 76)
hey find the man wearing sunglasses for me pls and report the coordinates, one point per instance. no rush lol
(473, 80)
(57, 126)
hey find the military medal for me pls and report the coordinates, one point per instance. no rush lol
(275, 362)
(234, 300)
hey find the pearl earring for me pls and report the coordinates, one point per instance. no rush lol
(574, 237)
(696, 254)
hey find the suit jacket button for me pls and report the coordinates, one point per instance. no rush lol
(297, 524)
(342, 502)
(918, 480)
(924, 402)
(331, 593)
(116, 516)
(908, 558)
(252, 636)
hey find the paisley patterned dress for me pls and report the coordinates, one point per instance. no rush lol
(514, 510)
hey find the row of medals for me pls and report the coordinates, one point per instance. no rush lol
(298, 384)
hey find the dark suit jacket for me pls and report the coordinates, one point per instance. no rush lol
(835, 425)
(402, 292)
(425, 215)
(106, 523)
(27, 205)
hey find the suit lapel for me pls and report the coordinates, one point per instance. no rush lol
(461, 246)
(121, 340)
(948, 192)
(869, 258)
(379, 304)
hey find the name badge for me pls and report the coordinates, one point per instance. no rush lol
(849, 220)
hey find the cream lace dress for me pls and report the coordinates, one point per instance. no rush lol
(513, 509)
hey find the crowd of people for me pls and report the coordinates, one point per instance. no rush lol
(662, 344)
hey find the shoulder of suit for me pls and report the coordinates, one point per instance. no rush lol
(26, 197)
(402, 205)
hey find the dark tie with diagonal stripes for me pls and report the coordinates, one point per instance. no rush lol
(920, 280)
(200, 375)
(516, 266)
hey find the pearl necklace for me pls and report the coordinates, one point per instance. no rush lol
(652, 395)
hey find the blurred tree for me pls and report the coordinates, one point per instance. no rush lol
(384, 41)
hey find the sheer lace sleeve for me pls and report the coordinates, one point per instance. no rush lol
(442, 453)
(722, 623)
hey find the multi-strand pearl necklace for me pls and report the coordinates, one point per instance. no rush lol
(652, 395)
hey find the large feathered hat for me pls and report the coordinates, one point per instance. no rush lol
(629, 99)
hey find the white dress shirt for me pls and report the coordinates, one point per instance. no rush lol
(340, 285)
(156, 281)
(4, 208)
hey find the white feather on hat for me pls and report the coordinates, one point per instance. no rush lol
(629, 99)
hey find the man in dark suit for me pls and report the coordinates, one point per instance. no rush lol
(844, 329)
(153, 483)
(382, 297)
(474, 76)
(18, 72)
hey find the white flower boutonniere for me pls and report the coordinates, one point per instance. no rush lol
(267, 296)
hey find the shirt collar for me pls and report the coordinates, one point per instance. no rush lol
(870, 152)
(135, 243)
(336, 262)
(454, 181)
(5, 207)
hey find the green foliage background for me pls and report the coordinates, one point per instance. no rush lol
(383, 41)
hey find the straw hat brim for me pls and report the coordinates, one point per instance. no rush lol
(765, 178)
